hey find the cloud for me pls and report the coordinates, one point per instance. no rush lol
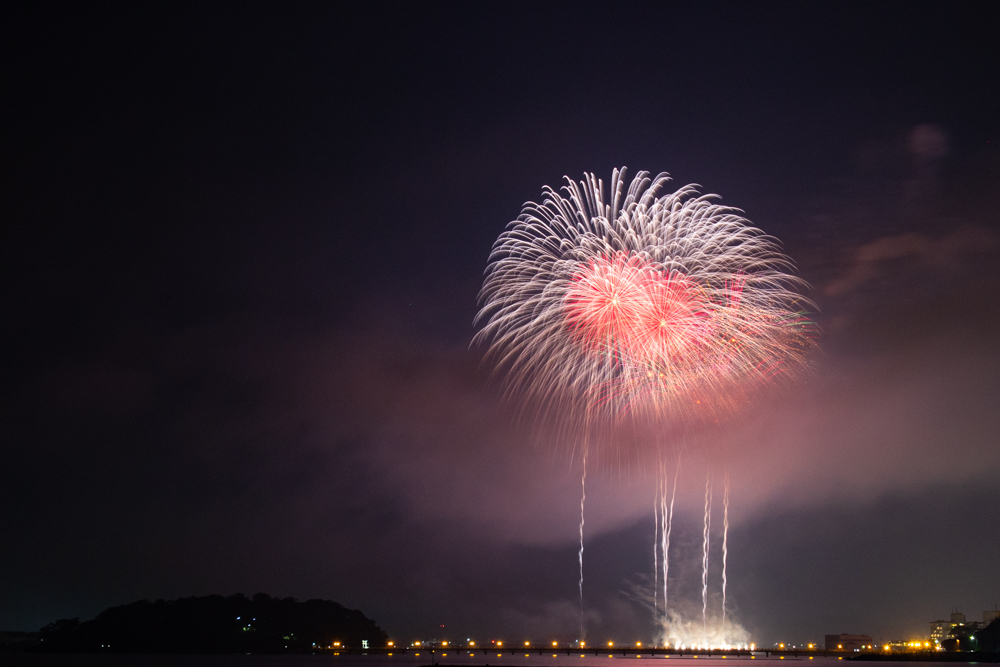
(870, 260)
(928, 143)
(912, 418)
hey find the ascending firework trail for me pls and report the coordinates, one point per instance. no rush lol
(706, 532)
(642, 311)
(663, 513)
(725, 547)
(583, 499)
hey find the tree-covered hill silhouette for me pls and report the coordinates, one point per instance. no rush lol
(215, 624)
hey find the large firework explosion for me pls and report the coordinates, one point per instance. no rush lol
(666, 310)
(663, 307)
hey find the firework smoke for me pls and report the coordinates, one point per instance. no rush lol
(676, 630)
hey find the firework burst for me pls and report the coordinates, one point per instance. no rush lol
(657, 304)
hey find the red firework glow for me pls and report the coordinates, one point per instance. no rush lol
(606, 301)
(622, 304)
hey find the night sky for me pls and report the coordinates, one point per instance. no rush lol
(242, 247)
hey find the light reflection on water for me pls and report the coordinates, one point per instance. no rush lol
(478, 659)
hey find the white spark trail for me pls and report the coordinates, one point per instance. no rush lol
(705, 544)
(583, 498)
(725, 548)
(669, 515)
(656, 536)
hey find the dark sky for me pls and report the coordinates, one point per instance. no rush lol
(242, 247)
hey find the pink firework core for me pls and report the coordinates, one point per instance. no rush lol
(623, 304)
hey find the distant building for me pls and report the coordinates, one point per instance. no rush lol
(944, 630)
(990, 615)
(849, 643)
(940, 630)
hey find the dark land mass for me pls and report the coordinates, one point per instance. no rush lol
(214, 624)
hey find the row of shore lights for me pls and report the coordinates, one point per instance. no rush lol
(499, 644)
